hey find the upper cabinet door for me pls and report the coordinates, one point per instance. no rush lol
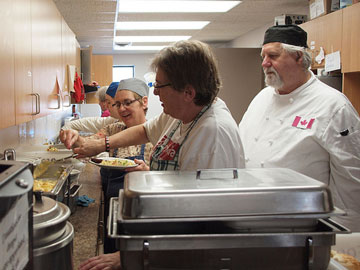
(7, 100)
(351, 39)
(46, 55)
(24, 100)
(325, 32)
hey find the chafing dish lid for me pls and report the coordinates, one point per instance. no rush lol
(239, 192)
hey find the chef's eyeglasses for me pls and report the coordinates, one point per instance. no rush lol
(158, 86)
(126, 103)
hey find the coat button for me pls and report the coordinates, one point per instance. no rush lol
(267, 118)
(262, 164)
(256, 139)
(291, 100)
(247, 159)
(270, 143)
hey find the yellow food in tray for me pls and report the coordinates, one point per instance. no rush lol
(41, 168)
(52, 149)
(44, 185)
(117, 162)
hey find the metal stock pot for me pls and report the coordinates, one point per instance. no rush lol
(53, 235)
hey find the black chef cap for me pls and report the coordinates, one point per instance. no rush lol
(288, 34)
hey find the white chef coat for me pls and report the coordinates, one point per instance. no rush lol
(313, 130)
(213, 142)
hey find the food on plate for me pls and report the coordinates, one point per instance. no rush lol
(44, 185)
(52, 148)
(117, 162)
(346, 260)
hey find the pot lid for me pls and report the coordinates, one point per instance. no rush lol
(47, 211)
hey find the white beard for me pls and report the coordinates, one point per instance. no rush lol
(273, 79)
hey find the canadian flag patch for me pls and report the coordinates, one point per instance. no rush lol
(303, 123)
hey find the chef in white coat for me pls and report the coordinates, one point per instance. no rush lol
(300, 123)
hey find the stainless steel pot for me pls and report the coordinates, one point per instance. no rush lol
(53, 235)
(58, 254)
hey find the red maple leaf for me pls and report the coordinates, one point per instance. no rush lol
(304, 122)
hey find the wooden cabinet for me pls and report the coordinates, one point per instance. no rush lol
(351, 88)
(25, 102)
(351, 54)
(46, 55)
(339, 31)
(7, 100)
(351, 39)
(324, 32)
(101, 66)
(35, 46)
(96, 68)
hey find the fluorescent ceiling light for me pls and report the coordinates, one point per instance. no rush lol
(138, 48)
(127, 6)
(150, 38)
(162, 25)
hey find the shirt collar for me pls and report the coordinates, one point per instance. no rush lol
(300, 88)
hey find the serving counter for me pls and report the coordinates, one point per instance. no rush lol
(85, 219)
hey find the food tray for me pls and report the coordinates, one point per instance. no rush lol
(224, 249)
(59, 173)
(247, 193)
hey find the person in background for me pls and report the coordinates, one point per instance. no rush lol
(195, 130)
(300, 123)
(131, 103)
(94, 124)
(100, 95)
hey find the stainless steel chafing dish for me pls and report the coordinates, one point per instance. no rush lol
(58, 173)
(224, 219)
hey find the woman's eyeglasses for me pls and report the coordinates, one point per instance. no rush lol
(126, 103)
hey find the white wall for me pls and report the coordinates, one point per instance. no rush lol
(252, 39)
(242, 77)
(35, 132)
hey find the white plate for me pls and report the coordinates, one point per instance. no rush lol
(113, 166)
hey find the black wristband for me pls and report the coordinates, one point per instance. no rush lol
(107, 144)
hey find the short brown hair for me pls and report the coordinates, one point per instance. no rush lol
(190, 62)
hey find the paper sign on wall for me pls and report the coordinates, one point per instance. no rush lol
(332, 61)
